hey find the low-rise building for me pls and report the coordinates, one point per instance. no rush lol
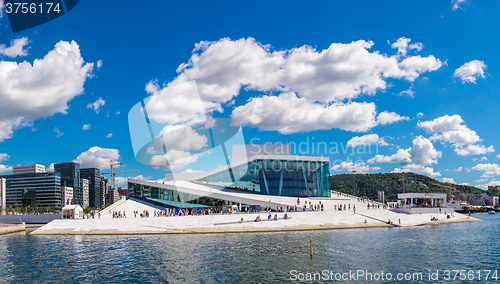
(28, 169)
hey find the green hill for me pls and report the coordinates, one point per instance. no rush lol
(367, 185)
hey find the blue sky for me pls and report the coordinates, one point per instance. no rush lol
(316, 71)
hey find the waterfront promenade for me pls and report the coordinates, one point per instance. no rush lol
(7, 228)
(231, 223)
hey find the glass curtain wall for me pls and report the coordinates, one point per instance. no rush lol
(277, 177)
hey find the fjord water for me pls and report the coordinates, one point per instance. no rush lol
(250, 257)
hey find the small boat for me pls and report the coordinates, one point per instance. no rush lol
(492, 212)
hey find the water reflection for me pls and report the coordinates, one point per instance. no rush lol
(246, 258)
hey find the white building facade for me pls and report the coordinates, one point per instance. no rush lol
(66, 195)
(3, 193)
(28, 169)
(85, 192)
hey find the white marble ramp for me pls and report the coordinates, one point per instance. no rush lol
(220, 223)
(128, 206)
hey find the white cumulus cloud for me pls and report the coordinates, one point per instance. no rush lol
(41, 89)
(418, 169)
(173, 159)
(351, 167)
(448, 180)
(178, 137)
(98, 156)
(339, 72)
(401, 156)
(422, 153)
(288, 113)
(470, 71)
(86, 127)
(451, 129)
(366, 140)
(323, 80)
(473, 150)
(389, 117)
(17, 47)
(489, 169)
(123, 180)
(4, 168)
(403, 45)
(96, 106)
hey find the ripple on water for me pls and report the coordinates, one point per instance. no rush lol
(247, 258)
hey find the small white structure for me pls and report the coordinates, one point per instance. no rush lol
(423, 203)
(72, 212)
(436, 199)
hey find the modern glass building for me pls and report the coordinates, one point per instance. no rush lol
(93, 176)
(173, 198)
(39, 190)
(261, 174)
(295, 176)
(70, 176)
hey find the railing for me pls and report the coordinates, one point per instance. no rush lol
(425, 210)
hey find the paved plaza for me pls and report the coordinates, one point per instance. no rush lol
(220, 223)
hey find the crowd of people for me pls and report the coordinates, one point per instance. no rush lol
(269, 218)
(304, 206)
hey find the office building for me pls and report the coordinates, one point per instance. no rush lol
(36, 190)
(66, 195)
(93, 176)
(105, 188)
(28, 169)
(85, 192)
(70, 176)
(113, 196)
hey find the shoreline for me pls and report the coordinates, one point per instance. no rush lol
(243, 229)
(11, 228)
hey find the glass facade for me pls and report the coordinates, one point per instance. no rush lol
(171, 198)
(295, 178)
(93, 176)
(70, 176)
(36, 190)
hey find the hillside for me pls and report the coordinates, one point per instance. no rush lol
(367, 185)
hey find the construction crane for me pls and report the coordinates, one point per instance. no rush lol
(448, 187)
(113, 177)
(112, 173)
(403, 179)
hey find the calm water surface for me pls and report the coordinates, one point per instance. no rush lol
(252, 258)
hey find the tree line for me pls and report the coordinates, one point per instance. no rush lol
(368, 185)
